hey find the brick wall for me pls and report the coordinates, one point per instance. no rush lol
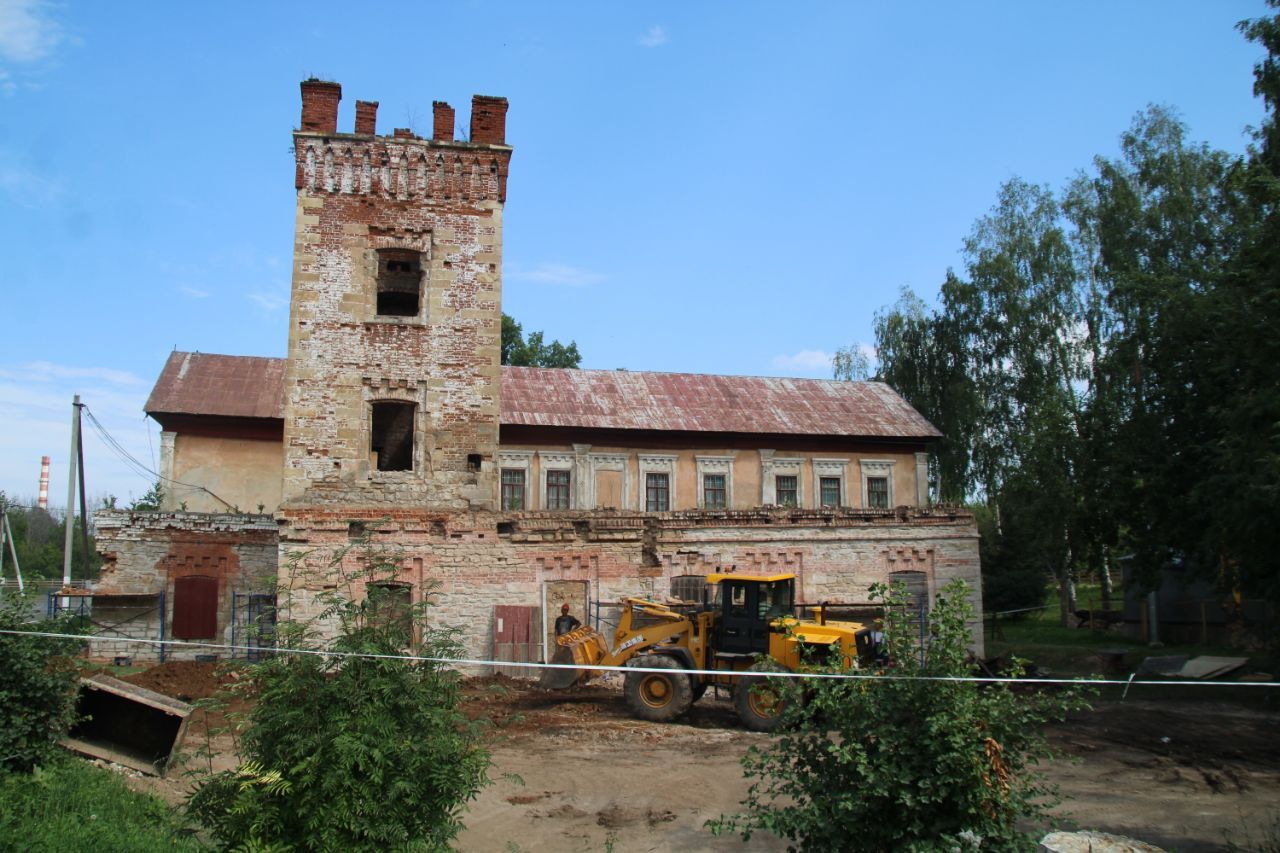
(144, 553)
(441, 200)
(475, 561)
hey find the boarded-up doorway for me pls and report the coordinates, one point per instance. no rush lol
(515, 638)
(555, 594)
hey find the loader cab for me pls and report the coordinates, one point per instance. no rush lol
(747, 605)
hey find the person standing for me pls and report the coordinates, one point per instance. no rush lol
(566, 622)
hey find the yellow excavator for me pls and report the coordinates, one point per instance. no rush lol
(743, 623)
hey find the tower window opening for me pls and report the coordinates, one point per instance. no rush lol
(399, 283)
(391, 436)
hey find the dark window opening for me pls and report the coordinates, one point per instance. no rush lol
(557, 490)
(657, 492)
(714, 491)
(399, 283)
(473, 461)
(391, 439)
(688, 588)
(878, 492)
(829, 489)
(391, 611)
(512, 488)
(787, 491)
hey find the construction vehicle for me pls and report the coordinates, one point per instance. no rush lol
(743, 623)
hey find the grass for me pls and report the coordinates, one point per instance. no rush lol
(74, 805)
(1040, 638)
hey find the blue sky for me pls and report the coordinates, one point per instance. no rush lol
(704, 187)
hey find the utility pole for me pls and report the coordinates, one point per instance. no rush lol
(69, 520)
(6, 535)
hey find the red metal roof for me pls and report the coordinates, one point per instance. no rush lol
(623, 399)
(242, 386)
(233, 386)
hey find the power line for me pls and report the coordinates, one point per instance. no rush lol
(813, 676)
(140, 468)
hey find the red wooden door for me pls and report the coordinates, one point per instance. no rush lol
(195, 607)
(513, 634)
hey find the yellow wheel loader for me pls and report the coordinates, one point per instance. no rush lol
(744, 623)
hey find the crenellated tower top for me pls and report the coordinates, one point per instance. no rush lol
(402, 165)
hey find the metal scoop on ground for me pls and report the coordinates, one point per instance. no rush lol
(583, 647)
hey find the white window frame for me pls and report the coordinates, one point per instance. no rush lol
(772, 467)
(830, 468)
(557, 462)
(877, 468)
(657, 463)
(611, 462)
(521, 460)
(715, 465)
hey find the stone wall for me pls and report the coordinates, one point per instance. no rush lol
(475, 561)
(437, 203)
(145, 553)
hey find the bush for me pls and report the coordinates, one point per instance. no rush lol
(38, 684)
(901, 763)
(351, 753)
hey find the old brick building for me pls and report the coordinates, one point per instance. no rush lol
(507, 490)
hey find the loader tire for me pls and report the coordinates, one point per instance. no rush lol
(699, 686)
(758, 702)
(658, 697)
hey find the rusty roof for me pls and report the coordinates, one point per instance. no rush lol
(624, 399)
(231, 386)
(243, 386)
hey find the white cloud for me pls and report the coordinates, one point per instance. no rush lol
(556, 274)
(46, 371)
(35, 416)
(193, 292)
(28, 32)
(655, 36)
(270, 300)
(808, 360)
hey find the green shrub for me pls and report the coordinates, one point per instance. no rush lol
(37, 686)
(903, 764)
(351, 753)
(69, 804)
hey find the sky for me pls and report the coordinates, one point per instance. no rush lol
(707, 187)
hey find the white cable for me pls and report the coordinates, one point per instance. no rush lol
(830, 676)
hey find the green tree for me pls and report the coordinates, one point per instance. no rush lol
(38, 683)
(348, 752)
(533, 351)
(904, 762)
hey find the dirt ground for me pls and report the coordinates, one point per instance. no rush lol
(573, 772)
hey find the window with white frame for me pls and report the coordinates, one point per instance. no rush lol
(877, 483)
(715, 482)
(557, 479)
(662, 466)
(781, 480)
(657, 491)
(513, 488)
(715, 491)
(787, 490)
(513, 480)
(557, 490)
(830, 482)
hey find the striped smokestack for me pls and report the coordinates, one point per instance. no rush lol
(43, 500)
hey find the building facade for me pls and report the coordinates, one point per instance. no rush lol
(502, 492)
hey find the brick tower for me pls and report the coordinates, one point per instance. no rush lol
(393, 385)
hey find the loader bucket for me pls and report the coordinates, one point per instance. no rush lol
(584, 647)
